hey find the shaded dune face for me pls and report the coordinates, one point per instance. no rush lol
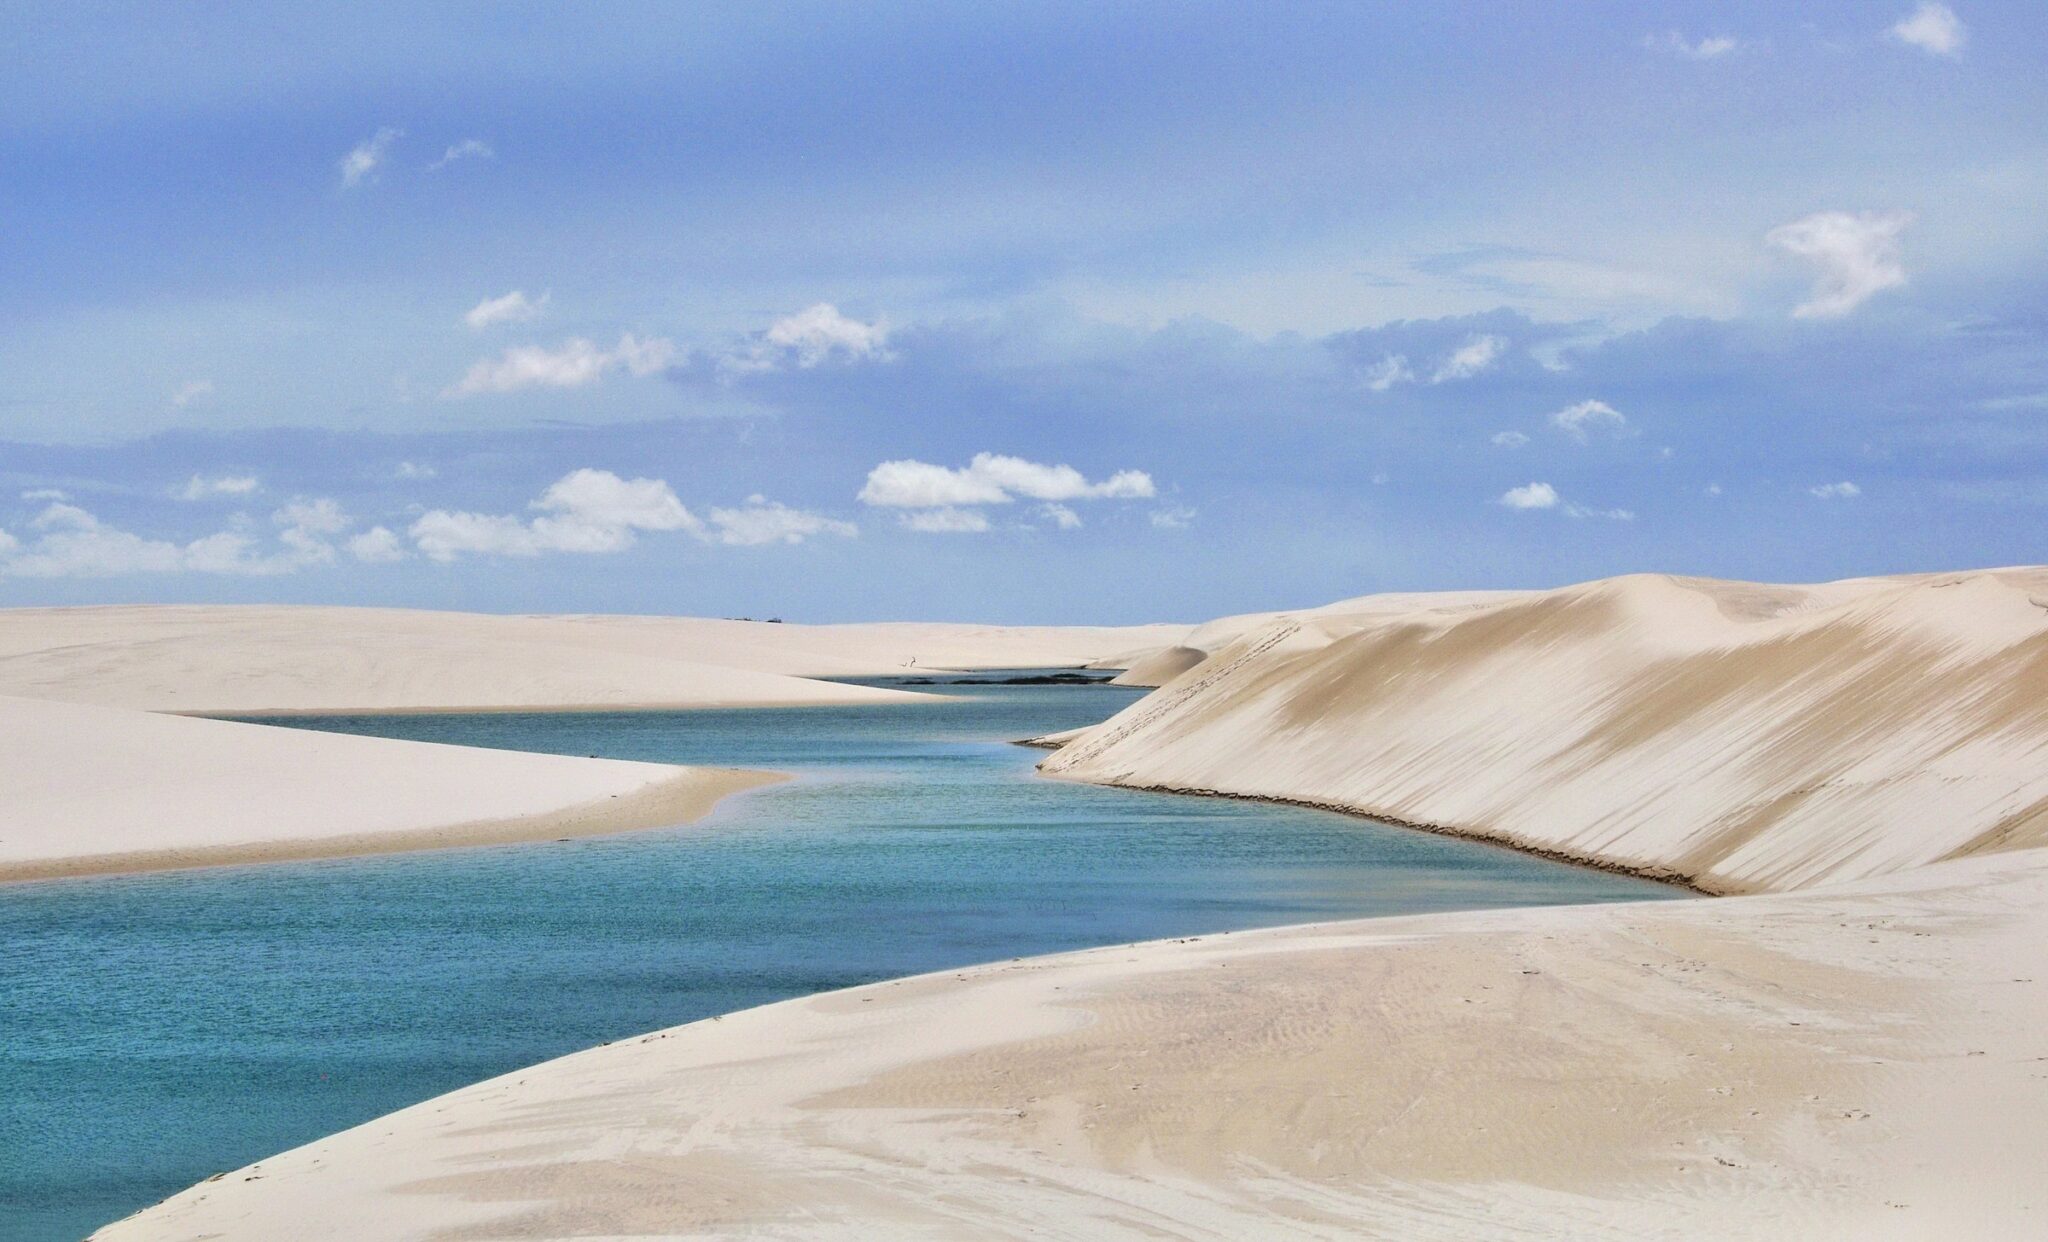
(1734, 736)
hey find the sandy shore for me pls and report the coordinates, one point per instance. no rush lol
(93, 790)
(1867, 1061)
(245, 661)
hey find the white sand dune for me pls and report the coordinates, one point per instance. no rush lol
(1863, 1057)
(223, 660)
(1737, 736)
(94, 789)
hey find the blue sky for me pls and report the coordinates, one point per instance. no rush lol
(1026, 313)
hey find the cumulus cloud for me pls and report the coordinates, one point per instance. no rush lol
(993, 479)
(1933, 28)
(761, 521)
(1509, 439)
(573, 364)
(945, 521)
(467, 149)
(201, 488)
(1844, 490)
(360, 164)
(514, 307)
(811, 337)
(193, 390)
(1705, 48)
(74, 543)
(1471, 358)
(583, 511)
(1578, 420)
(1857, 254)
(376, 546)
(1530, 496)
(1389, 371)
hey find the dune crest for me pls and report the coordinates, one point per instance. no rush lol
(1736, 736)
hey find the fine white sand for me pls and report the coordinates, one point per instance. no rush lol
(1853, 1063)
(95, 789)
(1863, 1055)
(252, 660)
(1738, 736)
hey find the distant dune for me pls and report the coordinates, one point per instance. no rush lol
(222, 660)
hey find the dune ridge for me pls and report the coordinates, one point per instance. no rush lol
(1735, 736)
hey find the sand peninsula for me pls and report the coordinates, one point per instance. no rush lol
(99, 780)
(1855, 1048)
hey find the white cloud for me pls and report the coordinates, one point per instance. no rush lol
(1469, 359)
(993, 479)
(467, 149)
(320, 516)
(1933, 28)
(8, 543)
(945, 521)
(1509, 439)
(377, 545)
(1389, 371)
(583, 511)
(813, 336)
(1704, 48)
(413, 470)
(762, 521)
(1061, 516)
(573, 364)
(1576, 420)
(1531, 496)
(1712, 489)
(514, 307)
(1612, 515)
(1857, 254)
(73, 543)
(200, 488)
(45, 493)
(1172, 518)
(361, 163)
(191, 391)
(1844, 490)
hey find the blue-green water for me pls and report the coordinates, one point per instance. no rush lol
(157, 1029)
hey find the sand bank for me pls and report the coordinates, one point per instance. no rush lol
(222, 660)
(91, 789)
(1858, 1062)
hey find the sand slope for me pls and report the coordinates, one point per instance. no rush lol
(1865, 1062)
(92, 789)
(1740, 736)
(249, 660)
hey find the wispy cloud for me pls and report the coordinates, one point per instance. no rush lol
(1707, 47)
(191, 391)
(992, 479)
(1933, 28)
(467, 149)
(1857, 254)
(1473, 357)
(514, 307)
(762, 521)
(1844, 490)
(71, 542)
(572, 364)
(362, 161)
(1578, 420)
(811, 337)
(202, 488)
(1509, 439)
(945, 521)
